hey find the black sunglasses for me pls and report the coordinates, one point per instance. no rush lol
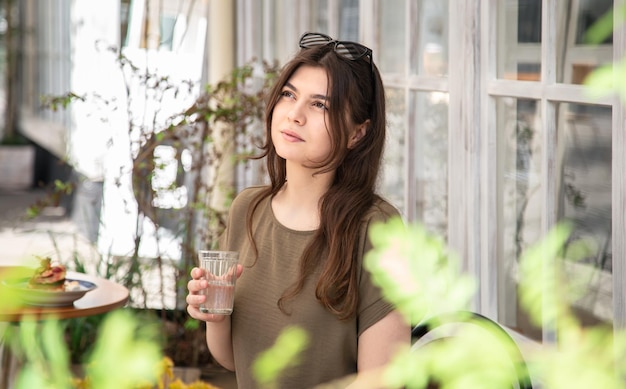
(346, 49)
(349, 50)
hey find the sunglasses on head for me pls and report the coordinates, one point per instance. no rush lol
(349, 50)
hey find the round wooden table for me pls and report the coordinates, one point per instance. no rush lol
(106, 297)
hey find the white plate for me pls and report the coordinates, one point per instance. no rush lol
(50, 298)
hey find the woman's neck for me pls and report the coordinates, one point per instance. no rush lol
(296, 206)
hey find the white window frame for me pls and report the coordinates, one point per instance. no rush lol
(474, 89)
(548, 93)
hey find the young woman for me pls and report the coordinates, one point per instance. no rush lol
(302, 239)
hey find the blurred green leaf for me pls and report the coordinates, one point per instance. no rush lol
(417, 274)
(600, 82)
(46, 356)
(416, 271)
(540, 294)
(600, 29)
(276, 360)
(10, 297)
(589, 353)
(126, 347)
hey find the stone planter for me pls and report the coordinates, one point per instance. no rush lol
(17, 167)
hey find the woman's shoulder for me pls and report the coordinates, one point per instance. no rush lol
(382, 210)
(246, 196)
(241, 203)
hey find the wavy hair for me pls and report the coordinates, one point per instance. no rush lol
(355, 88)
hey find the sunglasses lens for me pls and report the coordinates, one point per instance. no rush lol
(313, 39)
(351, 50)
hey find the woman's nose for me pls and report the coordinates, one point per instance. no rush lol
(296, 114)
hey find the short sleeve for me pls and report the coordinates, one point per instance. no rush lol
(372, 306)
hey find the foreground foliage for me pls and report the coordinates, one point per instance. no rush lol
(430, 283)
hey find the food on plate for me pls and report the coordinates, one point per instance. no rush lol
(48, 276)
(72, 286)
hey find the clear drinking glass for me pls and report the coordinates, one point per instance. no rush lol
(220, 270)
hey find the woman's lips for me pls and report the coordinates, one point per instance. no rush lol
(291, 136)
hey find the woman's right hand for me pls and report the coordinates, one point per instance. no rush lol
(195, 298)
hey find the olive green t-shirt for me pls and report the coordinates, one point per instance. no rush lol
(257, 319)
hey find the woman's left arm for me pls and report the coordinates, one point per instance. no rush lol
(378, 344)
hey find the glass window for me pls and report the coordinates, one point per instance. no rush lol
(520, 202)
(529, 24)
(581, 54)
(585, 201)
(589, 12)
(429, 124)
(171, 25)
(392, 17)
(430, 36)
(319, 16)
(124, 18)
(394, 167)
(168, 22)
(411, 46)
(519, 40)
(349, 20)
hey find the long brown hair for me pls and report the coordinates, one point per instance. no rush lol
(355, 88)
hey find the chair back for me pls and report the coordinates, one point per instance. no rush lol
(447, 325)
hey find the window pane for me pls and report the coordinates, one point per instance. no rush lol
(529, 21)
(394, 170)
(124, 16)
(589, 12)
(430, 30)
(319, 16)
(519, 39)
(392, 58)
(429, 119)
(580, 54)
(175, 26)
(585, 201)
(349, 20)
(520, 204)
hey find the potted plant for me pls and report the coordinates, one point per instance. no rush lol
(191, 130)
(160, 142)
(17, 155)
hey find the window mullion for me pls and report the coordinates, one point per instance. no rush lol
(464, 135)
(549, 154)
(489, 167)
(618, 195)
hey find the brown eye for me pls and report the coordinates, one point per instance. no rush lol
(320, 105)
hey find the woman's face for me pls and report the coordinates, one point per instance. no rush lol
(299, 130)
